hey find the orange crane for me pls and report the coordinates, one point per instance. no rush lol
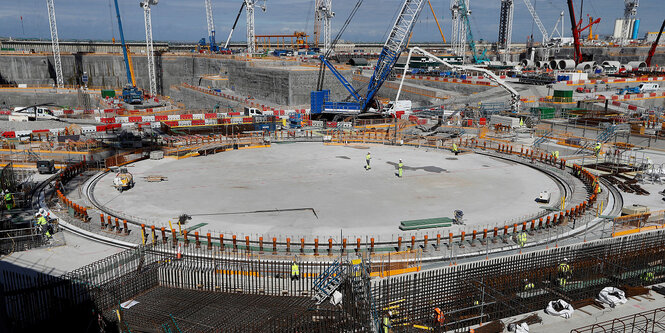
(591, 24)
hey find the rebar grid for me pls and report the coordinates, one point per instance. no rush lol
(483, 291)
(647, 321)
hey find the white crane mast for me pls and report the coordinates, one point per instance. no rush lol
(251, 39)
(55, 44)
(209, 19)
(251, 34)
(459, 28)
(150, 51)
(325, 14)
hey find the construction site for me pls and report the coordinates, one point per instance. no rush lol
(304, 182)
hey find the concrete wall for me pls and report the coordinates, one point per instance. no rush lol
(13, 98)
(105, 70)
(280, 82)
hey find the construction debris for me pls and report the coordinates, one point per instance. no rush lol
(154, 178)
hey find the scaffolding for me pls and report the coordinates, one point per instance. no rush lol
(297, 40)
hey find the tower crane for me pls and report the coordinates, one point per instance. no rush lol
(211, 27)
(130, 93)
(251, 33)
(55, 44)
(392, 49)
(150, 51)
(465, 31)
(506, 24)
(323, 14)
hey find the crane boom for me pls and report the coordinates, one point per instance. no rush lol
(55, 44)
(652, 50)
(536, 19)
(226, 45)
(576, 33)
(515, 96)
(211, 26)
(395, 44)
(124, 46)
(130, 94)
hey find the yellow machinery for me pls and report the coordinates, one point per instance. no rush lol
(123, 180)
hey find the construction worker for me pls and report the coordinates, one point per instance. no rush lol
(555, 154)
(439, 317)
(647, 277)
(563, 272)
(528, 285)
(367, 158)
(9, 200)
(455, 150)
(400, 167)
(521, 122)
(521, 239)
(295, 271)
(597, 148)
(43, 225)
(386, 322)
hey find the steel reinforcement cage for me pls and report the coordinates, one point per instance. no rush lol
(480, 292)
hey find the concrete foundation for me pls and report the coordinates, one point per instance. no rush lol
(309, 190)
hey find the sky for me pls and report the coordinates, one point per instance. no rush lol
(184, 20)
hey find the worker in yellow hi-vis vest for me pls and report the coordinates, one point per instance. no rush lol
(295, 271)
(368, 157)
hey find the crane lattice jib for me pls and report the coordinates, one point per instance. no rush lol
(211, 25)
(124, 46)
(536, 19)
(469, 34)
(55, 44)
(395, 44)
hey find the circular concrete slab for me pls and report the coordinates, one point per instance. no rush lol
(312, 189)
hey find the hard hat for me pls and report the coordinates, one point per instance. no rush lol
(565, 259)
(37, 214)
(400, 160)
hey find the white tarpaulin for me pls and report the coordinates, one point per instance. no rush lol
(559, 308)
(612, 296)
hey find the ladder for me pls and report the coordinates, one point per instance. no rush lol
(328, 281)
(602, 137)
(542, 139)
(362, 290)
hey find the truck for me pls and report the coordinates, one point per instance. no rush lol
(46, 166)
(249, 112)
(32, 113)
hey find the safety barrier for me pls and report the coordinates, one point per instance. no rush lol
(74, 210)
